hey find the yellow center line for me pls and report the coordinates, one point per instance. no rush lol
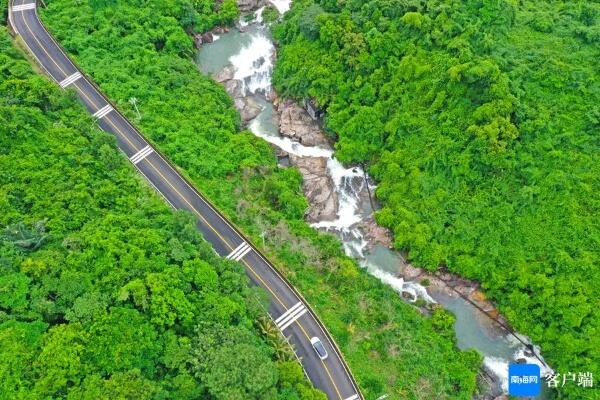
(93, 103)
(42, 46)
(322, 362)
(226, 242)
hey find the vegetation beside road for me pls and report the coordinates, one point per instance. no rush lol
(105, 293)
(480, 120)
(138, 49)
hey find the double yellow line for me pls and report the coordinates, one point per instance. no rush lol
(107, 118)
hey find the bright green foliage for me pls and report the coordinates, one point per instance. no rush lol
(390, 347)
(211, 13)
(480, 120)
(103, 289)
(224, 356)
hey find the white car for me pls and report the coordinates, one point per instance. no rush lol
(319, 348)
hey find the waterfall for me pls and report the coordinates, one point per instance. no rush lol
(254, 65)
(252, 53)
(281, 5)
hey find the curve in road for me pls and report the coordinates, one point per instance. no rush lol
(291, 313)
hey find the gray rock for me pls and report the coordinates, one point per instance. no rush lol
(225, 74)
(197, 40)
(409, 272)
(295, 123)
(258, 62)
(375, 234)
(250, 109)
(239, 103)
(249, 5)
(318, 187)
(235, 88)
(283, 157)
(246, 105)
(207, 37)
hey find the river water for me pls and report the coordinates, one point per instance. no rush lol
(251, 53)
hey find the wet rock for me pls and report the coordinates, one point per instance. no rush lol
(207, 37)
(274, 99)
(225, 74)
(375, 234)
(235, 88)
(249, 5)
(409, 296)
(258, 62)
(247, 106)
(249, 109)
(197, 40)
(296, 124)
(410, 273)
(318, 187)
(283, 157)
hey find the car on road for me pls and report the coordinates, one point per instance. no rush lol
(319, 348)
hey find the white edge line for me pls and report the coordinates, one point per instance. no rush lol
(143, 140)
(323, 330)
(14, 25)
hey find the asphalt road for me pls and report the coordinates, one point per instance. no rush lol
(287, 308)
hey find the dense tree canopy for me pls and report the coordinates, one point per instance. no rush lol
(105, 293)
(390, 347)
(480, 120)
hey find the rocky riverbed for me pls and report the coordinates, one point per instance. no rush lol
(295, 123)
(318, 186)
(340, 201)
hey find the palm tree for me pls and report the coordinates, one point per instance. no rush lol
(283, 349)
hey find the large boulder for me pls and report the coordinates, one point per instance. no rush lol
(197, 40)
(235, 88)
(375, 234)
(207, 37)
(225, 74)
(250, 108)
(247, 106)
(295, 123)
(318, 187)
(249, 5)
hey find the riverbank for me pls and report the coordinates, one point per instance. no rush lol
(483, 167)
(339, 203)
(389, 346)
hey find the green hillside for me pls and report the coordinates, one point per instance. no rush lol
(138, 49)
(105, 293)
(480, 121)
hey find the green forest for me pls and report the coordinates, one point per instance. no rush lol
(105, 293)
(480, 121)
(139, 49)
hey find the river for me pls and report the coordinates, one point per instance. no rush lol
(250, 52)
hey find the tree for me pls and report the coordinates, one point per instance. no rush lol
(308, 23)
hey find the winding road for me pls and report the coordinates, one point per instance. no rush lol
(287, 308)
